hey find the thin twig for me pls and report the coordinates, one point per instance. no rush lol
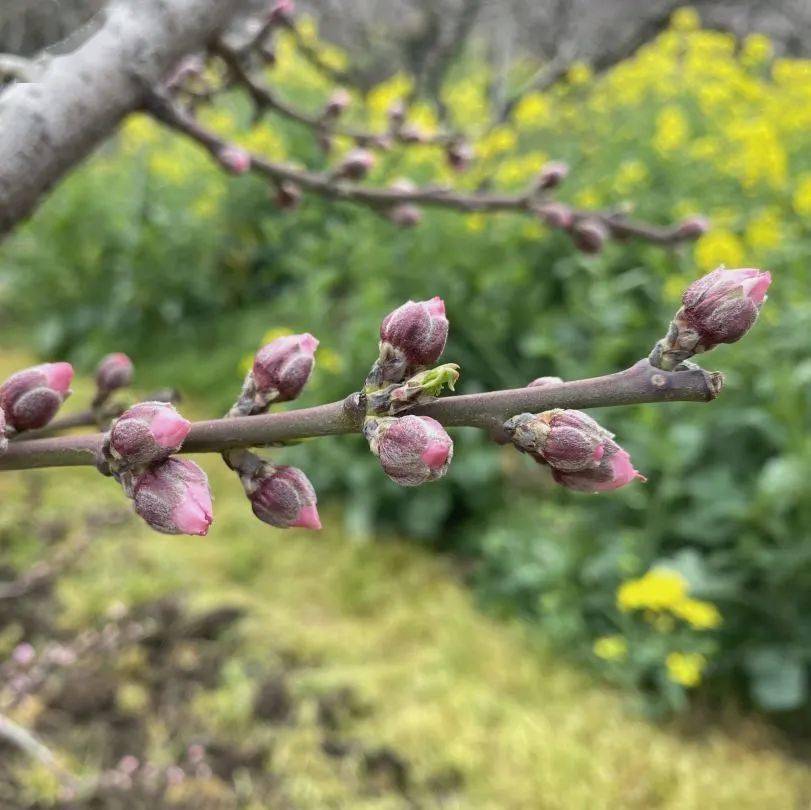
(642, 383)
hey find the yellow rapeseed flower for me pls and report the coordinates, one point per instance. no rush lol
(672, 129)
(685, 19)
(685, 669)
(533, 110)
(579, 74)
(658, 589)
(763, 231)
(611, 648)
(700, 615)
(630, 175)
(802, 195)
(718, 247)
(757, 49)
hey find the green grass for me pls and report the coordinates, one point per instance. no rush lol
(448, 686)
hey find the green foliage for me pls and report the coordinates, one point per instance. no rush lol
(151, 250)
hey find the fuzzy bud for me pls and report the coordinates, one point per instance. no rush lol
(723, 305)
(281, 13)
(539, 381)
(31, 398)
(356, 164)
(692, 228)
(113, 372)
(418, 330)
(552, 175)
(283, 497)
(147, 432)
(583, 455)
(234, 160)
(460, 155)
(556, 215)
(405, 215)
(412, 449)
(282, 368)
(589, 235)
(173, 497)
(288, 196)
(338, 101)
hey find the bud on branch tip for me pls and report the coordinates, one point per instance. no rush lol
(30, 398)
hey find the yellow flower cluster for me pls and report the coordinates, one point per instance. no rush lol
(662, 590)
(685, 669)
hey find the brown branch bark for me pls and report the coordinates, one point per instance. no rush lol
(48, 126)
(639, 384)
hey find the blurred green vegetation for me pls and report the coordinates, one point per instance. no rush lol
(150, 249)
(389, 688)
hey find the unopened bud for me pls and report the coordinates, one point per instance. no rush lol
(589, 235)
(405, 215)
(338, 101)
(283, 497)
(282, 12)
(460, 155)
(540, 381)
(583, 455)
(113, 372)
(723, 305)
(234, 160)
(173, 497)
(415, 333)
(692, 228)
(31, 398)
(288, 195)
(552, 175)
(555, 215)
(412, 449)
(147, 432)
(614, 470)
(356, 164)
(282, 368)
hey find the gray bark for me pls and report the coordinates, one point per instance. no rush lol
(49, 125)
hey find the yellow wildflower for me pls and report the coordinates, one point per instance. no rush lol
(611, 648)
(579, 74)
(658, 589)
(764, 231)
(700, 615)
(630, 175)
(672, 129)
(685, 19)
(718, 247)
(533, 110)
(757, 49)
(802, 195)
(685, 669)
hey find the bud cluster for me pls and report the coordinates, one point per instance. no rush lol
(582, 454)
(720, 307)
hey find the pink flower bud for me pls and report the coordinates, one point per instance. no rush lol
(614, 470)
(539, 381)
(285, 498)
(356, 164)
(23, 654)
(405, 215)
(460, 155)
(288, 195)
(552, 175)
(692, 228)
(555, 215)
(566, 439)
(114, 371)
(412, 449)
(283, 367)
(173, 497)
(417, 331)
(282, 12)
(589, 235)
(234, 160)
(723, 305)
(148, 432)
(338, 101)
(31, 398)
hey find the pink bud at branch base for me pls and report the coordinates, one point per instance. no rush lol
(283, 497)
(146, 433)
